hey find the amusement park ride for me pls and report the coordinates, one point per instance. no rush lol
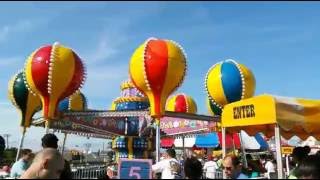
(54, 74)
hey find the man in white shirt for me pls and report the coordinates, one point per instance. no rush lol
(169, 167)
(270, 167)
(210, 168)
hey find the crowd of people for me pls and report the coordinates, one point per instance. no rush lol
(45, 164)
(50, 164)
(303, 165)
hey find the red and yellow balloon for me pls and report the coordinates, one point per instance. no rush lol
(157, 68)
(181, 103)
(54, 72)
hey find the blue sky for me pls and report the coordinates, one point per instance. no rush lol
(278, 41)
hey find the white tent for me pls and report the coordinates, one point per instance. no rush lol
(189, 141)
(249, 142)
(310, 141)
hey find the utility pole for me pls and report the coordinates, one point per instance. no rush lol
(7, 139)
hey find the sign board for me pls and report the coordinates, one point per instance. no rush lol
(135, 169)
(115, 125)
(172, 126)
(286, 150)
(259, 110)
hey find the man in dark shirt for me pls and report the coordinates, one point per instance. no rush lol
(51, 141)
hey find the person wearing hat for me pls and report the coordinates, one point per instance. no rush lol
(51, 141)
(210, 167)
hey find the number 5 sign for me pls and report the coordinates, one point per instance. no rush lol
(135, 169)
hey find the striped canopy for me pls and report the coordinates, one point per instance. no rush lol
(295, 116)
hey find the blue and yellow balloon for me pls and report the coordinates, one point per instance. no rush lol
(76, 102)
(227, 82)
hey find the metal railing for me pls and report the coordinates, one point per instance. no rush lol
(91, 172)
(217, 175)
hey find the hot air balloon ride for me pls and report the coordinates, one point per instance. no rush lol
(227, 82)
(53, 72)
(25, 101)
(157, 68)
(181, 103)
(132, 145)
(76, 102)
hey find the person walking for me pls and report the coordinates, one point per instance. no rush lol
(210, 167)
(193, 168)
(22, 164)
(48, 164)
(233, 168)
(169, 167)
(51, 141)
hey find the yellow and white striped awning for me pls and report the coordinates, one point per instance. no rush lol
(295, 116)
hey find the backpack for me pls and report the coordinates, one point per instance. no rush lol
(175, 169)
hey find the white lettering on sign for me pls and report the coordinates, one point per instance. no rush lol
(133, 172)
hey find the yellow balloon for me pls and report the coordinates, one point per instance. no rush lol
(181, 103)
(157, 68)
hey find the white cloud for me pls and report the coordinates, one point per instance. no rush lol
(115, 33)
(10, 62)
(107, 47)
(4, 31)
(104, 82)
(6, 108)
(7, 30)
(9, 120)
(104, 68)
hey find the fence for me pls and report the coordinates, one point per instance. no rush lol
(91, 172)
(217, 175)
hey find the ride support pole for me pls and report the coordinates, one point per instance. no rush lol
(278, 151)
(21, 143)
(47, 126)
(157, 139)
